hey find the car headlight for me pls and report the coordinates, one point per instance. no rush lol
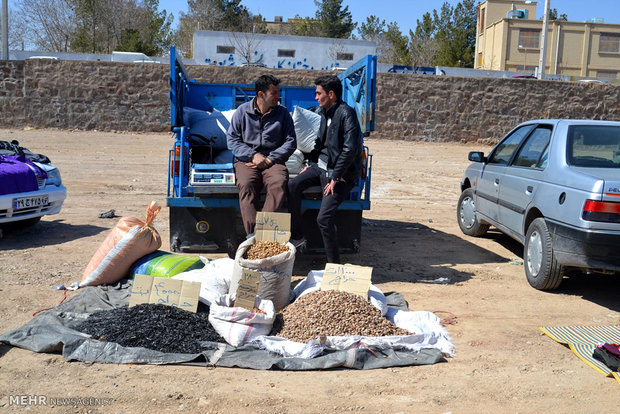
(53, 177)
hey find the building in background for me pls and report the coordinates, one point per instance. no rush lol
(277, 51)
(508, 39)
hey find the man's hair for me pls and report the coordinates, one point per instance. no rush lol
(264, 81)
(330, 83)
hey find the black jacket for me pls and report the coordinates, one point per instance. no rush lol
(342, 140)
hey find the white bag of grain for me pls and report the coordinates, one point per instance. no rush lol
(275, 273)
(238, 326)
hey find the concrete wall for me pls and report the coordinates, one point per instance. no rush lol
(111, 96)
(309, 52)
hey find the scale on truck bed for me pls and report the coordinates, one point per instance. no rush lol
(211, 174)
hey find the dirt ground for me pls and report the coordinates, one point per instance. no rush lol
(410, 236)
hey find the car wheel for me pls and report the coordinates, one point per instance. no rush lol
(466, 215)
(541, 268)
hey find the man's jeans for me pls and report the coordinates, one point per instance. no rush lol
(326, 218)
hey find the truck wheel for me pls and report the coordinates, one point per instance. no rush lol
(541, 268)
(466, 215)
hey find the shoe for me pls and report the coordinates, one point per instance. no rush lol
(298, 243)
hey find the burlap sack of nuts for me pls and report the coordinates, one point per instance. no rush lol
(275, 271)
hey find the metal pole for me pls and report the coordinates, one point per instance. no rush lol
(543, 42)
(5, 29)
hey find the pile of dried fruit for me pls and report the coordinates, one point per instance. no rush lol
(158, 327)
(332, 313)
(263, 249)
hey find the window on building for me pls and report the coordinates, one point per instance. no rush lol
(225, 49)
(607, 74)
(609, 42)
(481, 19)
(286, 53)
(529, 38)
(344, 56)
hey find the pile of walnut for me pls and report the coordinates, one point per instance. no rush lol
(264, 249)
(332, 313)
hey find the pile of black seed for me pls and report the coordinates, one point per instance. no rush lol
(157, 327)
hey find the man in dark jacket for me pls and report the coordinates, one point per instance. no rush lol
(262, 138)
(335, 164)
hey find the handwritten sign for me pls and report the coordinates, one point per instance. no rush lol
(347, 278)
(248, 288)
(273, 227)
(161, 290)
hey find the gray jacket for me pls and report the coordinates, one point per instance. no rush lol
(272, 134)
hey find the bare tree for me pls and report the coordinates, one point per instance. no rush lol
(48, 23)
(247, 47)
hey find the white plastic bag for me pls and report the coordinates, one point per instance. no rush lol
(307, 124)
(214, 278)
(238, 326)
(295, 162)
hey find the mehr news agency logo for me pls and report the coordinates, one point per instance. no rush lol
(44, 400)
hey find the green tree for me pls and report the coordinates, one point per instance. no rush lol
(453, 34)
(331, 20)
(398, 45)
(372, 28)
(553, 15)
(152, 36)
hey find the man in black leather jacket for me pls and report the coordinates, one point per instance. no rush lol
(335, 164)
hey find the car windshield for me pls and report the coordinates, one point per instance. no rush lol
(594, 146)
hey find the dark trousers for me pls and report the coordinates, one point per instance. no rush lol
(326, 218)
(250, 182)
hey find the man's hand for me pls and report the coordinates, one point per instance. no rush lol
(307, 167)
(260, 161)
(329, 187)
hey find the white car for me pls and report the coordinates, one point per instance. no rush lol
(553, 185)
(27, 207)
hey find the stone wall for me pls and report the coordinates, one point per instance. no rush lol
(134, 97)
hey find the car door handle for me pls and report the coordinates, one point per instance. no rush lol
(530, 189)
(497, 181)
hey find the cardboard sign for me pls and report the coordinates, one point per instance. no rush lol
(248, 288)
(347, 278)
(273, 227)
(164, 291)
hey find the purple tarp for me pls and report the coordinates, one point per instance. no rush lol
(16, 176)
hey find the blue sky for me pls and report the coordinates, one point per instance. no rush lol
(406, 12)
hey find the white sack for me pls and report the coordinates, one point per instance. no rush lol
(275, 273)
(307, 124)
(239, 326)
(214, 278)
(295, 162)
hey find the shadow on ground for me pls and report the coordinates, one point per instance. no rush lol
(45, 233)
(402, 251)
(602, 289)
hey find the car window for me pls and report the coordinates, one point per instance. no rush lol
(530, 153)
(594, 146)
(503, 152)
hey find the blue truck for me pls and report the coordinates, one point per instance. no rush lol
(202, 196)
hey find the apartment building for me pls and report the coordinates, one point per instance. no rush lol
(508, 38)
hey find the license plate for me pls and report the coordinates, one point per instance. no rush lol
(29, 202)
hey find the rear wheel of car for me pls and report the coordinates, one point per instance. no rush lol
(466, 215)
(541, 268)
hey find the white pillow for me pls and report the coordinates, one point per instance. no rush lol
(307, 124)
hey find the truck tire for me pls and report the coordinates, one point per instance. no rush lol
(542, 270)
(466, 215)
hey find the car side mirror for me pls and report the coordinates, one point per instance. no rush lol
(476, 156)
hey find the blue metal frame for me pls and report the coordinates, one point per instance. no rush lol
(359, 91)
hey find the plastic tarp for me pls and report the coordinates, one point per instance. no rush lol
(51, 331)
